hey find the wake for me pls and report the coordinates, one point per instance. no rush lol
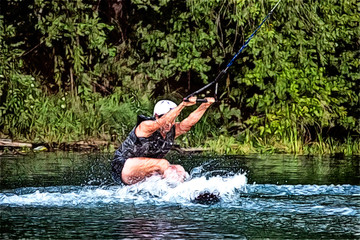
(230, 190)
(153, 190)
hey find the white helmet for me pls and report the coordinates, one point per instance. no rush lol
(163, 106)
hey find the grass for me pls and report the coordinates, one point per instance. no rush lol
(230, 145)
(62, 119)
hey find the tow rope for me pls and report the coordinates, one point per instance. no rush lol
(224, 71)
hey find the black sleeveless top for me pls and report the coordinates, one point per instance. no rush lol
(155, 146)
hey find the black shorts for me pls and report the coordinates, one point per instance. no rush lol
(117, 166)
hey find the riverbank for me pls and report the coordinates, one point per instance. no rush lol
(9, 145)
(16, 147)
(222, 146)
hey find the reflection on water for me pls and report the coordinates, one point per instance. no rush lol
(72, 196)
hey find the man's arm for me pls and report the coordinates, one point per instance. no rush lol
(185, 125)
(146, 128)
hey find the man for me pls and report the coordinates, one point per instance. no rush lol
(142, 153)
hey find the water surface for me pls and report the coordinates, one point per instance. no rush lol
(64, 195)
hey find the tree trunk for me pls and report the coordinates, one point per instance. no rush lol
(72, 82)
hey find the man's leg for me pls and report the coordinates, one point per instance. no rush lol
(137, 169)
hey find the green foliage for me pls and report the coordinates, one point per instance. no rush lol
(306, 77)
(176, 44)
(77, 38)
(59, 119)
(18, 91)
(295, 88)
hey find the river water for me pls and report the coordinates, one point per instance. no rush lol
(68, 195)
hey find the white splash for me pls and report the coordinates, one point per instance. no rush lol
(154, 189)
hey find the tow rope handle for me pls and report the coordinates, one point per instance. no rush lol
(224, 71)
(219, 76)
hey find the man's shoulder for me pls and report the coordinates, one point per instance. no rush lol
(142, 118)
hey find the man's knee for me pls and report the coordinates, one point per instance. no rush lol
(163, 165)
(179, 168)
(176, 172)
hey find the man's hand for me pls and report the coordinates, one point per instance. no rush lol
(191, 101)
(210, 100)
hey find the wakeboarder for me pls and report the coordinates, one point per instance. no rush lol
(142, 153)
